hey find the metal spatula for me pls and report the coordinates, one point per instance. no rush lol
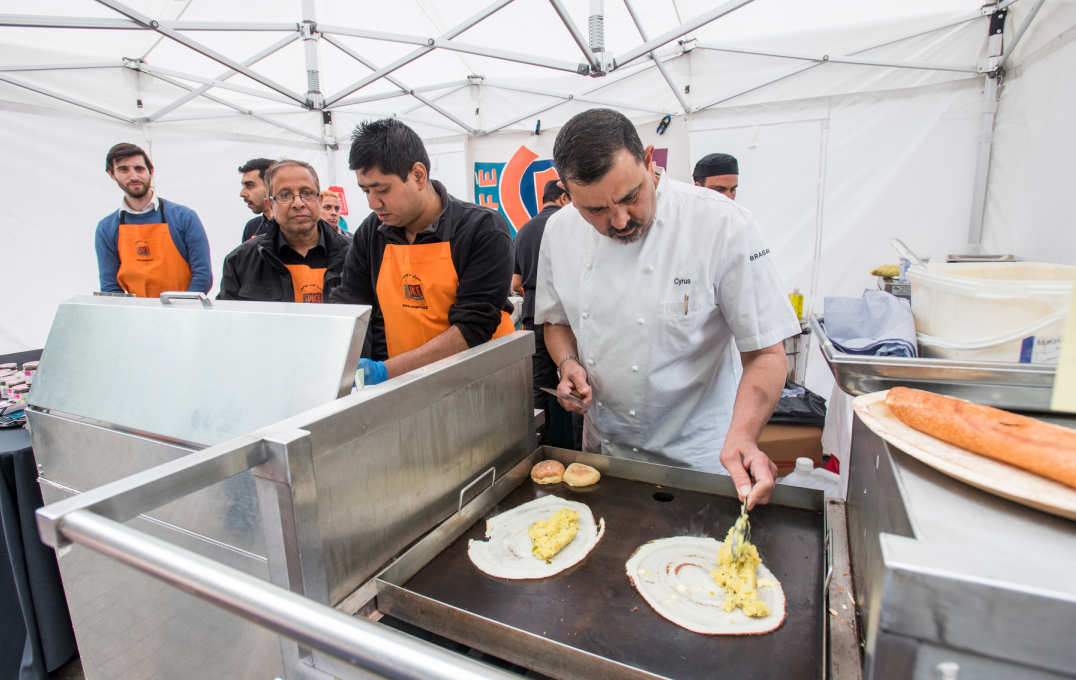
(741, 533)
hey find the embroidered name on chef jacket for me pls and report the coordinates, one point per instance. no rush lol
(682, 281)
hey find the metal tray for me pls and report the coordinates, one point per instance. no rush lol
(1015, 386)
(589, 621)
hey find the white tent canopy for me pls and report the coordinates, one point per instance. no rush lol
(854, 122)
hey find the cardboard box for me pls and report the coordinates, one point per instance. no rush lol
(785, 443)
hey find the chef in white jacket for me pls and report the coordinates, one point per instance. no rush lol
(648, 289)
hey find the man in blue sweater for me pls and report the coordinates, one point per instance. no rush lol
(149, 245)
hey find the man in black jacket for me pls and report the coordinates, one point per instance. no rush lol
(300, 257)
(253, 194)
(559, 430)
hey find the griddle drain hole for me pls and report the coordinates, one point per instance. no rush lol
(663, 496)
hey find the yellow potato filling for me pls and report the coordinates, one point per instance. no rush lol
(739, 578)
(549, 536)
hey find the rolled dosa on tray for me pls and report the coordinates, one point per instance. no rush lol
(1045, 449)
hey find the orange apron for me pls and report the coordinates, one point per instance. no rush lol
(150, 264)
(415, 288)
(307, 282)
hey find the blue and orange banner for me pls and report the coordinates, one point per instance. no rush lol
(514, 189)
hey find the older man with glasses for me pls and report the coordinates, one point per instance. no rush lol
(300, 257)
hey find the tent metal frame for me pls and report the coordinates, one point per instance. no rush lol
(310, 32)
(612, 68)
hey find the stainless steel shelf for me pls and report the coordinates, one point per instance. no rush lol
(1021, 387)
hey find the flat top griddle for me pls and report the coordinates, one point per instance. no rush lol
(593, 607)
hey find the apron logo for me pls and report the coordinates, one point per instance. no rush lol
(142, 250)
(412, 290)
(311, 293)
(762, 253)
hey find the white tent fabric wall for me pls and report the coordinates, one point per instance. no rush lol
(1031, 204)
(872, 176)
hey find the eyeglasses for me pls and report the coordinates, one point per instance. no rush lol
(285, 196)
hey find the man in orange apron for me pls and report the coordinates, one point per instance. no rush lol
(149, 246)
(300, 257)
(435, 269)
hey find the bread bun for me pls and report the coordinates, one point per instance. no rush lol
(579, 474)
(547, 472)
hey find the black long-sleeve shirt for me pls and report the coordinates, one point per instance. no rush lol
(481, 251)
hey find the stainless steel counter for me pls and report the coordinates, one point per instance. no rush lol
(947, 573)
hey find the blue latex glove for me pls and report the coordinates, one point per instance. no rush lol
(374, 372)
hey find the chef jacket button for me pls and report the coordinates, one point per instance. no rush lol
(635, 368)
(590, 362)
(586, 315)
(640, 321)
(630, 412)
(649, 268)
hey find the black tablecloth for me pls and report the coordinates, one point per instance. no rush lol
(35, 627)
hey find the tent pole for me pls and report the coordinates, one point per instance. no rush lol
(206, 83)
(661, 67)
(408, 58)
(67, 99)
(577, 36)
(194, 94)
(599, 101)
(816, 64)
(422, 103)
(63, 67)
(991, 67)
(452, 46)
(307, 31)
(403, 88)
(199, 48)
(240, 109)
(391, 95)
(680, 31)
(842, 60)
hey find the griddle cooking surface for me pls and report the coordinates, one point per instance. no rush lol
(594, 607)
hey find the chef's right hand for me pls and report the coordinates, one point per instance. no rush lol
(573, 378)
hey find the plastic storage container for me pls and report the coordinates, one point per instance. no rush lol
(806, 475)
(1006, 311)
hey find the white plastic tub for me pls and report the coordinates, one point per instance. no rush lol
(1005, 311)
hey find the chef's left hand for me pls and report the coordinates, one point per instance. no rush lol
(751, 470)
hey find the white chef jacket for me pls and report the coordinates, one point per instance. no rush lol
(655, 321)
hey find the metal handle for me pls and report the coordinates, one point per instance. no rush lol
(905, 252)
(475, 481)
(829, 562)
(168, 296)
(379, 649)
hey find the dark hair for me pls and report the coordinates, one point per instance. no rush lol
(259, 164)
(286, 163)
(552, 191)
(387, 145)
(588, 143)
(125, 150)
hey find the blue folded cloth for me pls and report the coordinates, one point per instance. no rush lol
(879, 323)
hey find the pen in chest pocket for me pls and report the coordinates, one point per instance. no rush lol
(685, 304)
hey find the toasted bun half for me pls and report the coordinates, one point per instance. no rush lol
(547, 472)
(579, 474)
